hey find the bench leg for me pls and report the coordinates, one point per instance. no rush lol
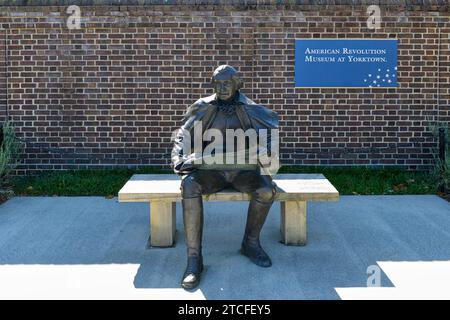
(293, 222)
(162, 223)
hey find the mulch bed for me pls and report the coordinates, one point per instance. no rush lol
(444, 193)
(445, 196)
(5, 194)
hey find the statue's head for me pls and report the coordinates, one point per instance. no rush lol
(226, 82)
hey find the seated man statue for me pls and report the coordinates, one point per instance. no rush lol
(227, 109)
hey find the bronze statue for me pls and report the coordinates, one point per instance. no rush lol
(227, 109)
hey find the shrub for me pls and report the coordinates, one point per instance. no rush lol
(10, 150)
(441, 170)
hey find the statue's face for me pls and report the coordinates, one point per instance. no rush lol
(225, 89)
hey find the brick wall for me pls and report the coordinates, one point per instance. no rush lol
(2, 75)
(110, 93)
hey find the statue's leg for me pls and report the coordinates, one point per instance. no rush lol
(263, 194)
(193, 186)
(193, 230)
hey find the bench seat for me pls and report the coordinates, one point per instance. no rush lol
(162, 191)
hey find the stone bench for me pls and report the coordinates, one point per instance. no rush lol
(162, 191)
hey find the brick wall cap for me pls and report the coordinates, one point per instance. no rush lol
(406, 3)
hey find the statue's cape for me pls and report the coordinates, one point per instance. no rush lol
(259, 116)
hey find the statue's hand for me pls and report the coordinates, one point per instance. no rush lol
(186, 166)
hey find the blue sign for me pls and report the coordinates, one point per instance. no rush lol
(345, 63)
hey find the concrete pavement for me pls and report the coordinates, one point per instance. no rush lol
(92, 247)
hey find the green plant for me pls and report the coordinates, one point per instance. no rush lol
(10, 150)
(441, 169)
(108, 182)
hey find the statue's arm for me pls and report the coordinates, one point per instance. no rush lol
(181, 157)
(177, 151)
(264, 121)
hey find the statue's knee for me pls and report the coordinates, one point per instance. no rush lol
(190, 188)
(265, 194)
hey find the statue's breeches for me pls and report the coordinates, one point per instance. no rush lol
(201, 182)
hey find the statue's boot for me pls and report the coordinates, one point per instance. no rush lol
(256, 216)
(193, 229)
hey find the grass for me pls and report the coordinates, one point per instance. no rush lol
(77, 182)
(367, 181)
(347, 180)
